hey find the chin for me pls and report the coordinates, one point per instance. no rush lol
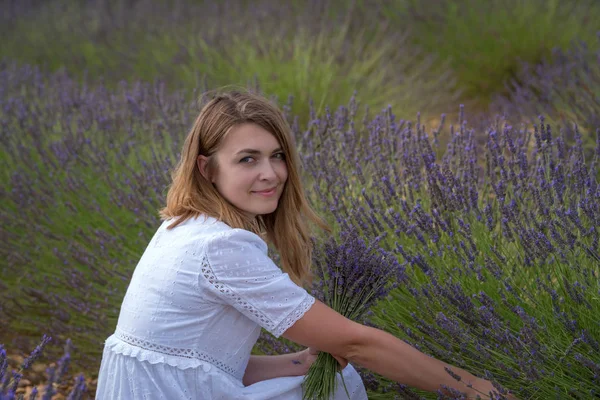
(265, 210)
(260, 207)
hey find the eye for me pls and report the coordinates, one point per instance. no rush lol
(279, 156)
(247, 159)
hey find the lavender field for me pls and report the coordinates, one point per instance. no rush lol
(483, 186)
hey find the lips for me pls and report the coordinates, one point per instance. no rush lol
(266, 191)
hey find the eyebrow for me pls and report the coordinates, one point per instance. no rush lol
(254, 151)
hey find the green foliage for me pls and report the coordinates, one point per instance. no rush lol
(486, 41)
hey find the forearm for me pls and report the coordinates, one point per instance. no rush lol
(396, 360)
(261, 368)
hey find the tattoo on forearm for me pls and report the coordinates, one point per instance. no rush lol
(296, 362)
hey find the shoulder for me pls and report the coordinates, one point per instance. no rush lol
(238, 253)
(217, 235)
(210, 236)
(235, 240)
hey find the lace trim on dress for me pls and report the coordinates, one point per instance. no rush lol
(294, 316)
(221, 287)
(185, 358)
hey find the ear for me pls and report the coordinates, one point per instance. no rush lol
(202, 162)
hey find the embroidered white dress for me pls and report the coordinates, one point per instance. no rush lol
(192, 313)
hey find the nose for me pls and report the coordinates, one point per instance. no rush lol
(267, 171)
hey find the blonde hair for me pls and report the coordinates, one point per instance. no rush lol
(191, 194)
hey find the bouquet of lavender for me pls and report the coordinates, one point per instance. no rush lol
(351, 277)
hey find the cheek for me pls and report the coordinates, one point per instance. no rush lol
(282, 172)
(232, 182)
(242, 180)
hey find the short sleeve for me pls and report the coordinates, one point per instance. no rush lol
(238, 270)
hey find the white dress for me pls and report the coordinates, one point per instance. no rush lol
(192, 313)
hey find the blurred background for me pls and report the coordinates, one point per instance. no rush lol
(417, 56)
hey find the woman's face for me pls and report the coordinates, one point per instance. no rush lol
(251, 169)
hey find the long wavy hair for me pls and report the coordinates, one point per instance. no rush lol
(190, 194)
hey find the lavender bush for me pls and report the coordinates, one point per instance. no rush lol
(75, 223)
(565, 87)
(499, 243)
(9, 380)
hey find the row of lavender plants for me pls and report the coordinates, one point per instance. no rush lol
(498, 244)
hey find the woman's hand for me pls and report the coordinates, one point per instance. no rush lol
(309, 356)
(262, 367)
(483, 388)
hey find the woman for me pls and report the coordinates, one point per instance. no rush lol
(205, 286)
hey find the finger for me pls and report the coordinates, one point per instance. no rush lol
(341, 361)
(313, 351)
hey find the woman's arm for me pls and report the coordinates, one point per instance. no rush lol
(324, 329)
(393, 358)
(261, 368)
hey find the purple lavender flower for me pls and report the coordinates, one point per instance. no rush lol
(36, 353)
